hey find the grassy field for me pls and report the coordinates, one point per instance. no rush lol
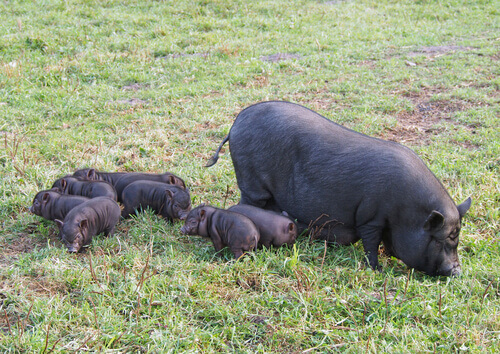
(155, 86)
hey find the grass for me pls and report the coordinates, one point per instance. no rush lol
(155, 86)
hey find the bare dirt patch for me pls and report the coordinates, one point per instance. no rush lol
(433, 51)
(23, 243)
(427, 119)
(184, 55)
(131, 102)
(134, 87)
(336, 2)
(274, 58)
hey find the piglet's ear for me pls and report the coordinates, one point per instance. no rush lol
(171, 179)
(434, 222)
(84, 224)
(64, 184)
(59, 224)
(291, 226)
(91, 174)
(203, 214)
(169, 193)
(46, 197)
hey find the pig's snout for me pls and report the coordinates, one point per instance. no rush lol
(183, 230)
(72, 249)
(183, 216)
(453, 270)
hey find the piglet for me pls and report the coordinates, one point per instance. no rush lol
(95, 216)
(225, 228)
(167, 200)
(52, 205)
(131, 177)
(91, 174)
(275, 229)
(90, 189)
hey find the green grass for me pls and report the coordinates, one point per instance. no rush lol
(155, 86)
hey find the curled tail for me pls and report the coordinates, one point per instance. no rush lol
(215, 156)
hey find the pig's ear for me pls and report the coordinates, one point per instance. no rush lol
(203, 214)
(46, 197)
(63, 184)
(291, 226)
(84, 224)
(464, 207)
(59, 224)
(91, 174)
(434, 222)
(169, 193)
(171, 179)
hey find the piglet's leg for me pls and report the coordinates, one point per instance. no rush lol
(109, 232)
(216, 240)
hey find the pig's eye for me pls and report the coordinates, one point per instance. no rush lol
(454, 234)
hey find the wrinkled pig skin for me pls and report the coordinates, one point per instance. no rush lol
(274, 229)
(225, 229)
(167, 200)
(345, 186)
(92, 174)
(131, 177)
(96, 216)
(52, 205)
(86, 188)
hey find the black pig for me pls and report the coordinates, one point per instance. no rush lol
(274, 229)
(90, 189)
(52, 205)
(225, 228)
(345, 185)
(131, 177)
(92, 174)
(95, 216)
(167, 200)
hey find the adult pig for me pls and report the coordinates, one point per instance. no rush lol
(225, 229)
(345, 185)
(274, 229)
(95, 216)
(52, 205)
(90, 189)
(167, 200)
(131, 177)
(92, 174)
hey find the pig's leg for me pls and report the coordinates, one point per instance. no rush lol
(128, 209)
(371, 236)
(109, 232)
(217, 242)
(252, 191)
